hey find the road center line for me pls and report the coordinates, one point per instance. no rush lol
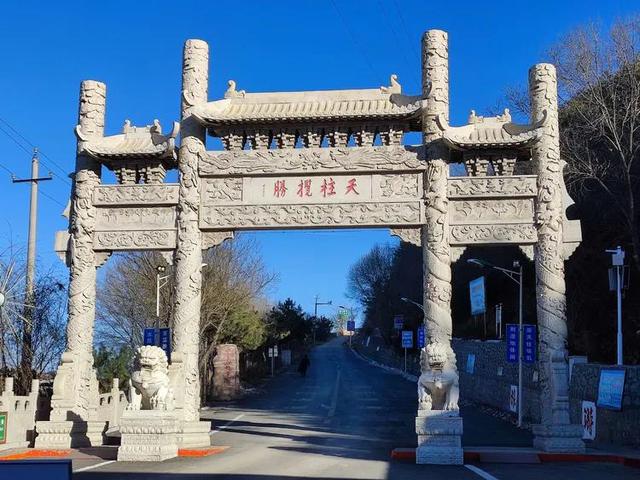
(91, 467)
(480, 472)
(334, 398)
(219, 429)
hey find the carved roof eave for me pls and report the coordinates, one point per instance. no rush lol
(147, 144)
(490, 135)
(310, 107)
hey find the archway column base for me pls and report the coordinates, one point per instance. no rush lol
(439, 438)
(558, 438)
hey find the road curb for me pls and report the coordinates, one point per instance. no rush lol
(472, 456)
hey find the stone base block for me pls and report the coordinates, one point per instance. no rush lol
(148, 436)
(194, 434)
(439, 438)
(558, 438)
(69, 434)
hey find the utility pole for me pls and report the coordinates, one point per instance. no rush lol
(315, 316)
(26, 359)
(617, 274)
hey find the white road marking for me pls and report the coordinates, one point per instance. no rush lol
(219, 429)
(480, 472)
(334, 398)
(91, 467)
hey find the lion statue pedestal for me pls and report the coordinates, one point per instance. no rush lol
(438, 423)
(149, 427)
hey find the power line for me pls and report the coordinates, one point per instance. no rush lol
(354, 39)
(405, 29)
(44, 194)
(396, 37)
(27, 141)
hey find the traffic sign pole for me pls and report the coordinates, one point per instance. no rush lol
(520, 353)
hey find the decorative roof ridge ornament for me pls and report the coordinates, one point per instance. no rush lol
(489, 132)
(232, 92)
(133, 141)
(394, 85)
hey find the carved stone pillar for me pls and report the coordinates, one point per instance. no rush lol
(75, 388)
(555, 433)
(188, 257)
(438, 424)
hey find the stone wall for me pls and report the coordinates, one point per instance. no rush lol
(487, 386)
(492, 377)
(619, 427)
(21, 410)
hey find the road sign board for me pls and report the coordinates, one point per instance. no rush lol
(421, 337)
(351, 325)
(529, 343)
(476, 294)
(398, 322)
(407, 339)
(149, 336)
(512, 342)
(3, 427)
(165, 341)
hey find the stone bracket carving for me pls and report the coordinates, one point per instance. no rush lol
(408, 235)
(498, 233)
(293, 160)
(213, 239)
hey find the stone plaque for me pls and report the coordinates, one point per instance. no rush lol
(516, 210)
(487, 187)
(136, 218)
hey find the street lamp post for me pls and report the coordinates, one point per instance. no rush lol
(617, 262)
(315, 315)
(516, 276)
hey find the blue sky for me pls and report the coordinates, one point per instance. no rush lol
(47, 48)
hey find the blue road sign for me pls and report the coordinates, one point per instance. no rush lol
(149, 336)
(512, 343)
(476, 295)
(529, 343)
(421, 337)
(351, 325)
(398, 322)
(407, 339)
(165, 341)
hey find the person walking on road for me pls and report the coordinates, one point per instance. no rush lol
(304, 365)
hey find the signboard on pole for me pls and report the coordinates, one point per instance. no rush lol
(398, 322)
(611, 389)
(421, 337)
(3, 427)
(165, 342)
(407, 339)
(471, 363)
(529, 343)
(513, 341)
(476, 294)
(149, 336)
(588, 420)
(351, 325)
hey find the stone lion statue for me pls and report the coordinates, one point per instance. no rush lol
(150, 381)
(438, 385)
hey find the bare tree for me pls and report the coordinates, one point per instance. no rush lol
(599, 89)
(47, 339)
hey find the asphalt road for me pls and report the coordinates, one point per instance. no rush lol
(341, 421)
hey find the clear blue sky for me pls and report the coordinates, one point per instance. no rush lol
(47, 48)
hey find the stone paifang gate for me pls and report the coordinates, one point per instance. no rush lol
(308, 160)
